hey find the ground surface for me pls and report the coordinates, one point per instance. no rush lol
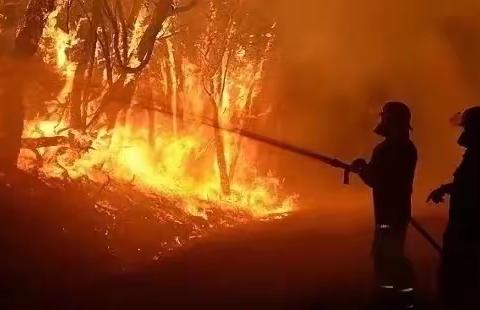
(51, 256)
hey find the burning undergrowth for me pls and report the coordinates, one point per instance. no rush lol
(140, 219)
(137, 123)
(146, 211)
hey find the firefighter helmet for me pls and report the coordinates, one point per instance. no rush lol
(470, 121)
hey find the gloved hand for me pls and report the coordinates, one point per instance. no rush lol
(358, 165)
(438, 195)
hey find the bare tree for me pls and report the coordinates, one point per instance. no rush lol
(226, 48)
(118, 97)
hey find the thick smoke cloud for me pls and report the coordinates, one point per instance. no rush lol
(339, 60)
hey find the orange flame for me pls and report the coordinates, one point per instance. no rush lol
(178, 164)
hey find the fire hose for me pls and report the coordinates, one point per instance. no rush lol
(333, 162)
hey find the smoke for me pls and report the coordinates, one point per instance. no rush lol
(339, 60)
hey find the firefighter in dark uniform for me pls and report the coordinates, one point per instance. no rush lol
(460, 269)
(390, 173)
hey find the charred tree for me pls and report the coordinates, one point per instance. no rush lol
(85, 67)
(11, 95)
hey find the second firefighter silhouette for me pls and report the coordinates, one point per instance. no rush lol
(460, 268)
(390, 174)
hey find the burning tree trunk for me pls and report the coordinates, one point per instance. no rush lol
(175, 79)
(84, 70)
(11, 94)
(232, 63)
(216, 56)
(180, 87)
(220, 149)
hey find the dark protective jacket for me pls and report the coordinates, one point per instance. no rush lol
(390, 173)
(465, 197)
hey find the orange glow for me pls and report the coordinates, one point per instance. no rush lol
(180, 164)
